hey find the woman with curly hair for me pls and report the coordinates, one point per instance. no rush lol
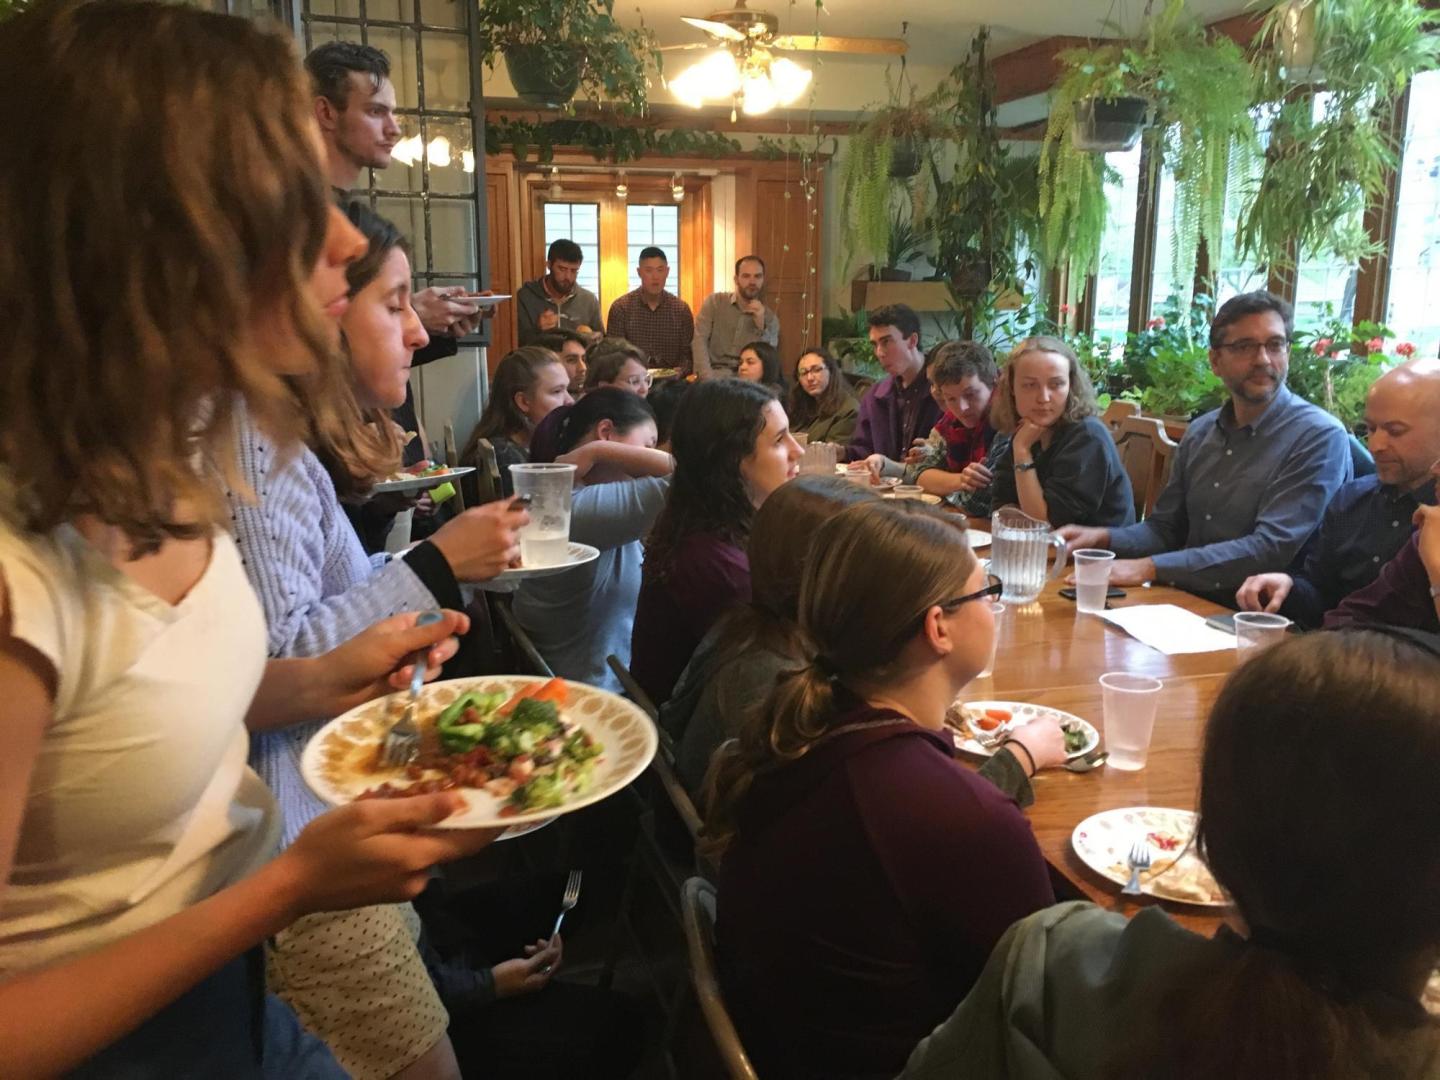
(732, 448)
(821, 405)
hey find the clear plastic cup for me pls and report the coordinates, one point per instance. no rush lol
(546, 540)
(1130, 703)
(997, 609)
(1258, 630)
(1092, 579)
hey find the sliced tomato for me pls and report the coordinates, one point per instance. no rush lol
(988, 723)
(1000, 715)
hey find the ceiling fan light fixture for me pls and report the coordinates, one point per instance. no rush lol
(789, 79)
(757, 94)
(407, 150)
(716, 76)
(439, 151)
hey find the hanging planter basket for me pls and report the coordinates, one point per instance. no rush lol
(971, 279)
(538, 79)
(1104, 125)
(905, 157)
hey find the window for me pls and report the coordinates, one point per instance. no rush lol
(579, 222)
(653, 226)
(1413, 311)
(1117, 246)
(1164, 284)
(1231, 277)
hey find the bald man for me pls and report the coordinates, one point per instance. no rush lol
(1369, 520)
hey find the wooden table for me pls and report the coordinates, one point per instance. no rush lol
(1048, 654)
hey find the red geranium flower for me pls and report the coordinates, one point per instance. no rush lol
(1405, 349)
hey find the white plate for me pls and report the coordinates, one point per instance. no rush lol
(578, 555)
(483, 301)
(978, 538)
(1103, 842)
(1021, 713)
(624, 732)
(421, 483)
(924, 496)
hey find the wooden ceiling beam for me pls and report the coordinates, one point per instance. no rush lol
(670, 119)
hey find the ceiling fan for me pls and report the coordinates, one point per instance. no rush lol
(740, 24)
(744, 68)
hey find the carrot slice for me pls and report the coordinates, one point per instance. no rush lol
(1001, 715)
(555, 690)
(520, 695)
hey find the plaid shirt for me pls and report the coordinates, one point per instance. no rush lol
(964, 446)
(665, 333)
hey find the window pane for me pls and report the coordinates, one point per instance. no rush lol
(452, 236)
(447, 71)
(1165, 286)
(1414, 308)
(653, 226)
(1117, 246)
(579, 222)
(1231, 277)
(1324, 285)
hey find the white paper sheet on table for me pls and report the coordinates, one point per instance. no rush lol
(1171, 630)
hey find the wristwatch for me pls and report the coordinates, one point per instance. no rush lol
(1024, 466)
(1435, 592)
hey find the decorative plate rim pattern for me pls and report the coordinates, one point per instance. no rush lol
(1110, 861)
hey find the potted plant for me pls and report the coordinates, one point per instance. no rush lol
(554, 49)
(1329, 157)
(1195, 91)
(1335, 364)
(905, 244)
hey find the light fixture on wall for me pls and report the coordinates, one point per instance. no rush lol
(439, 152)
(622, 189)
(556, 191)
(677, 188)
(755, 82)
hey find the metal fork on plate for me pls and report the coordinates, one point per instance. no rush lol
(402, 741)
(1139, 860)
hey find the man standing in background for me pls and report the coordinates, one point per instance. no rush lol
(728, 321)
(556, 301)
(654, 319)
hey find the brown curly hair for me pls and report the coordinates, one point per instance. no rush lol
(1079, 403)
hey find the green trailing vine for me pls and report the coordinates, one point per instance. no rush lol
(1324, 165)
(609, 142)
(1200, 90)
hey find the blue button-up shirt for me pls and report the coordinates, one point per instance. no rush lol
(1241, 500)
(1365, 527)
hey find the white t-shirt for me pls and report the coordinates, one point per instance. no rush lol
(140, 802)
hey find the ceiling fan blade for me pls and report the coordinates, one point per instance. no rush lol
(719, 30)
(824, 43)
(691, 45)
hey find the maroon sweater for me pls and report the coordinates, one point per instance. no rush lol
(862, 896)
(704, 578)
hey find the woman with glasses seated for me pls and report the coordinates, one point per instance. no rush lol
(1061, 465)
(821, 405)
(616, 362)
(865, 876)
(530, 384)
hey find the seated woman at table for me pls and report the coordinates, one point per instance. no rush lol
(760, 363)
(821, 405)
(138, 879)
(583, 615)
(1333, 882)
(528, 386)
(738, 663)
(865, 875)
(618, 363)
(1061, 465)
(732, 448)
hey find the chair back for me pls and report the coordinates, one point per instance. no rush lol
(452, 459)
(663, 764)
(1147, 452)
(484, 483)
(698, 907)
(1116, 413)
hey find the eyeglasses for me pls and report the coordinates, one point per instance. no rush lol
(1275, 346)
(804, 371)
(993, 587)
(637, 381)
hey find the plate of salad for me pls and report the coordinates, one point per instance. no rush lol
(518, 748)
(981, 725)
(422, 476)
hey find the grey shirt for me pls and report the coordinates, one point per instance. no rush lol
(580, 308)
(1241, 500)
(722, 330)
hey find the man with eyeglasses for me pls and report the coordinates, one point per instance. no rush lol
(1369, 520)
(1250, 479)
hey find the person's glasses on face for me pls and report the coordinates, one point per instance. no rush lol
(993, 588)
(806, 372)
(1246, 348)
(640, 382)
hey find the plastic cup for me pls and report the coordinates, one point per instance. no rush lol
(1130, 703)
(1258, 630)
(546, 540)
(1092, 579)
(997, 609)
(908, 491)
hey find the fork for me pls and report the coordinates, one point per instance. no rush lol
(1139, 860)
(568, 901)
(402, 741)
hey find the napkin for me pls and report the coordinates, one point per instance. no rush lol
(1169, 629)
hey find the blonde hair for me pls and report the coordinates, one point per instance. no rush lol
(169, 200)
(1079, 403)
(855, 624)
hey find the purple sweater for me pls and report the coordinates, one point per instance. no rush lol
(861, 898)
(705, 577)
(1400, 596)
(886, 426)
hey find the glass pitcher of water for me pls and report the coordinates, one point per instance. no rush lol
(1020, 549)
